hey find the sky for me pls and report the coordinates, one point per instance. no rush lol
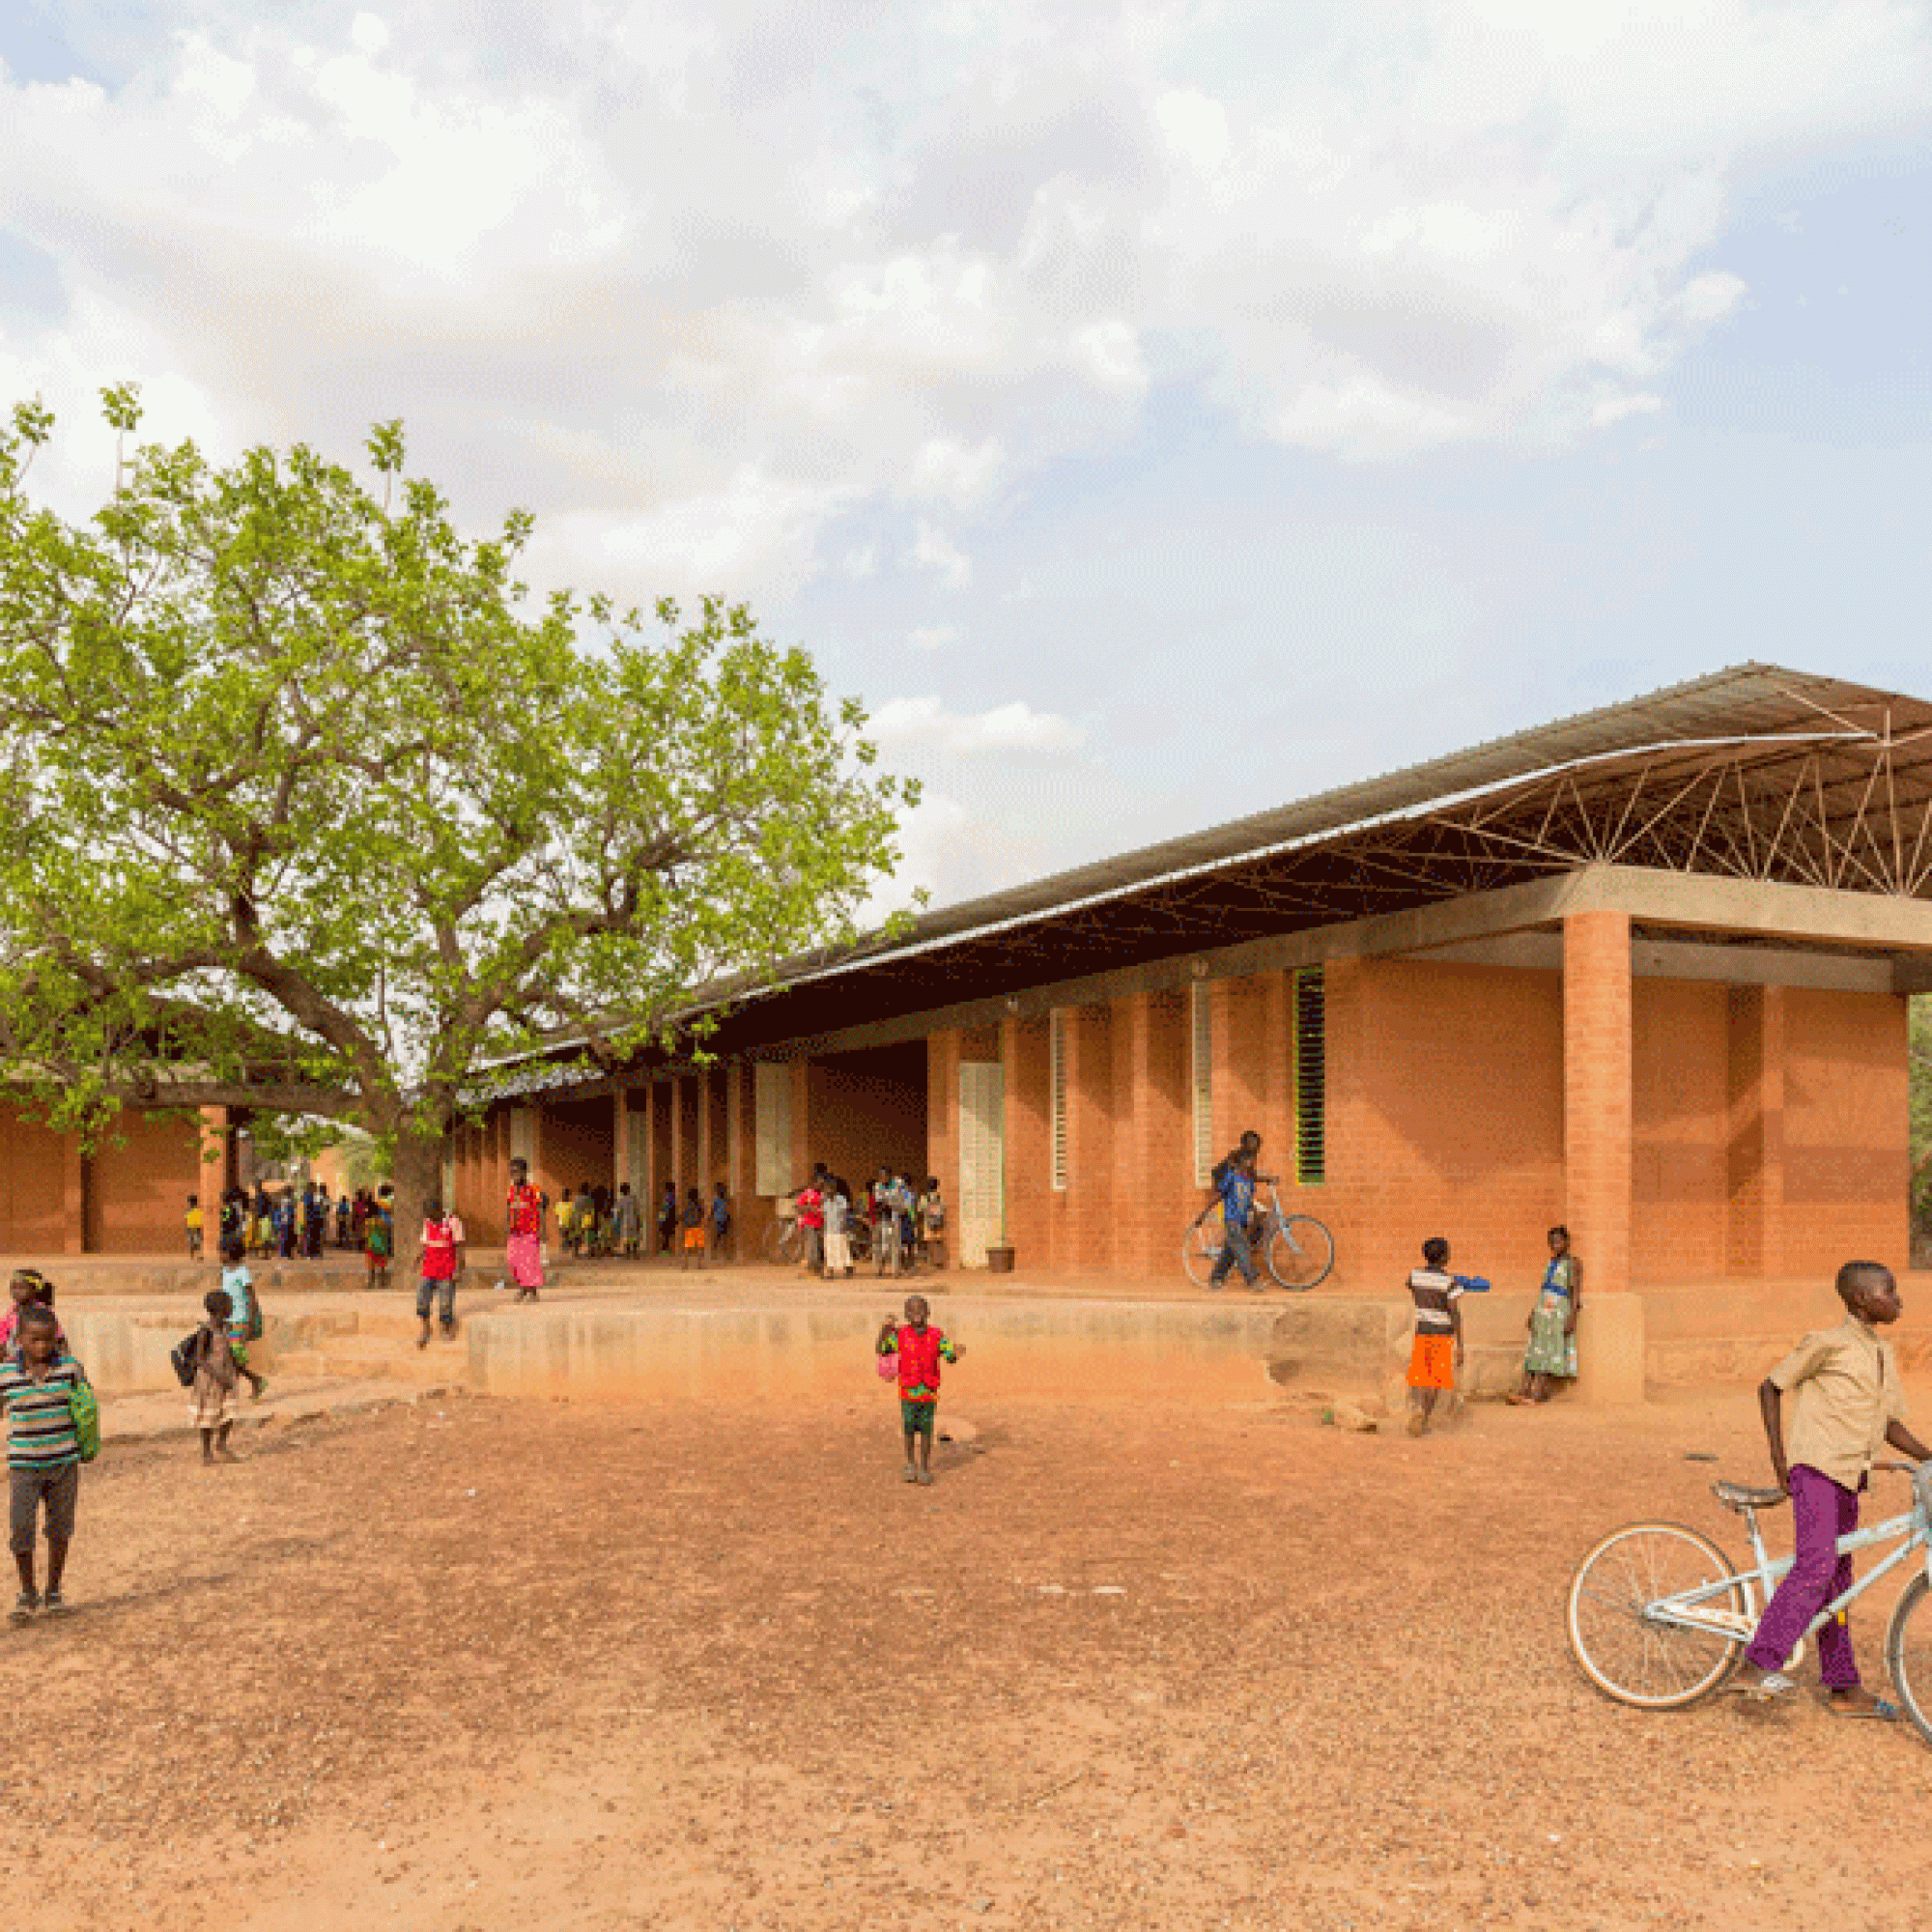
(1152, 412)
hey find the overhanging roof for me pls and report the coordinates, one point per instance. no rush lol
(1755, 772)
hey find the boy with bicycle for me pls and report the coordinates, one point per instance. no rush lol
(1846, 1402)
(1237, 1183)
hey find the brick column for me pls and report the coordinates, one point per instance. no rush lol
(1153, 1162)
(1086, 1242)
(74, 1197)
(942, 1115)
(1024, 1053)
(1597, 1096)
(213, 1179)
(620, 1139)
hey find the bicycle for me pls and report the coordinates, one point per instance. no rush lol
(1295, 1249)
(1659, 1618)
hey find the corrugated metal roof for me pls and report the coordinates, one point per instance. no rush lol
(1745, 701)
(1789, 712)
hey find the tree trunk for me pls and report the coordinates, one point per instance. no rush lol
(418, 1177)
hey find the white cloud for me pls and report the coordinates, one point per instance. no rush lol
(906, 721)
(560, 244)
(934, 551)
(935, 636)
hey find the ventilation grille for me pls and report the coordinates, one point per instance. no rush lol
(1202, 1081)
(1311, 1079)
(1056, 1078)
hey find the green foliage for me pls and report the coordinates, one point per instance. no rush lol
(310, 810)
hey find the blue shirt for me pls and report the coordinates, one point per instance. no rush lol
(1237, 1197)
(239, 1284)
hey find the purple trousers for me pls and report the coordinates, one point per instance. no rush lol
(1822, 1512)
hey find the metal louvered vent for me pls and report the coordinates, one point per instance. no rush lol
(1311, 1078)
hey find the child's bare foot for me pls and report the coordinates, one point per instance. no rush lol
(1416, 1423)
(226, 1455)
(911, 1474)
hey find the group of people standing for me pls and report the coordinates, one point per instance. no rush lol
(904, 1226)
(285, 1225)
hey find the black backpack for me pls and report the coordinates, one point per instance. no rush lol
(185, 1357)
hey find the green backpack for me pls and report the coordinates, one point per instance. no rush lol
(85, 1408)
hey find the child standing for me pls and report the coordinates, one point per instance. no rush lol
(244, 1321)
(625, 1224)
(194, 1227)
(885, 1225)
(42, 1453)
(215, 1377)
(921, 1349)
(668, 1218)
(932, 1224)
(379, 1245)
(837, 1233)
(693, 1229)
(1236, 1185)
(1846, 1402)
(522, 1231)
(1436, 1352)
(1551, 1354)
(720, 1218)
(812, 1221)
(28, 1288)
(442, 1263)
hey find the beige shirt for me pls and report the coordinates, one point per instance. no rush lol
(1845, 1385)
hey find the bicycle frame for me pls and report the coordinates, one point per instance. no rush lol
(1911, 1531)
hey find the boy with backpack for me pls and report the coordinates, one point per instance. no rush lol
(216, 1375)
(37, 1391)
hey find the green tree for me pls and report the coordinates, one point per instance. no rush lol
(311, 810)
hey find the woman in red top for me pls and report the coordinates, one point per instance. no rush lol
(522, 1233)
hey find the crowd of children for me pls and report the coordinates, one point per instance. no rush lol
(275, 1222)
(897, 1226)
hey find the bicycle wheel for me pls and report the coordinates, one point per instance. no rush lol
(1907, 1655)
(1629, 1654)
(783, 1242)
(1201, 1247)
(1300, 1253)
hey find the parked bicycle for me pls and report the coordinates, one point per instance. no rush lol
(784, 1242)
(1295, 1249)
(1659, 1618)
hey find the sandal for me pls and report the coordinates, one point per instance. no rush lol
(1768, 1688)
(1881, 1709)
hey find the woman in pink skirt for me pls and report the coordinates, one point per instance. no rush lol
(522, 1233)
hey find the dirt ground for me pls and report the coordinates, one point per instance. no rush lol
(473, 1665)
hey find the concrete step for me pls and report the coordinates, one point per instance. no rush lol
(393, 1359)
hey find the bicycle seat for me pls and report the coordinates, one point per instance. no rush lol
(1741, 1496)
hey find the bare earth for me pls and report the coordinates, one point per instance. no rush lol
(472, 1664)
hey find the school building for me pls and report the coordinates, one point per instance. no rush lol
(1643, 971)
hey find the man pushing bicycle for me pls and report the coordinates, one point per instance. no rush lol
(1846, 1402)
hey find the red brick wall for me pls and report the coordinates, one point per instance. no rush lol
(1445, 1116)
(574, 1138)
(33, 1188)
(1845, 1131)
(1154, 1193)
(139, 1179)
(1681, 1107)
(942, 1115)
(868, 1110)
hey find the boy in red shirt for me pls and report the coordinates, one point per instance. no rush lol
(441, 1264)
(921, 1349)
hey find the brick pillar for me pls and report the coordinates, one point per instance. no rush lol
(620, 1139)
(213, 1179)
(683, 1154)
(1153, 1156)
(1086, 1226)
(1024, 1053)
(750, 1216)
(1597, 1096)
(942, 1116)
(803, 1156)
(74, 1196)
